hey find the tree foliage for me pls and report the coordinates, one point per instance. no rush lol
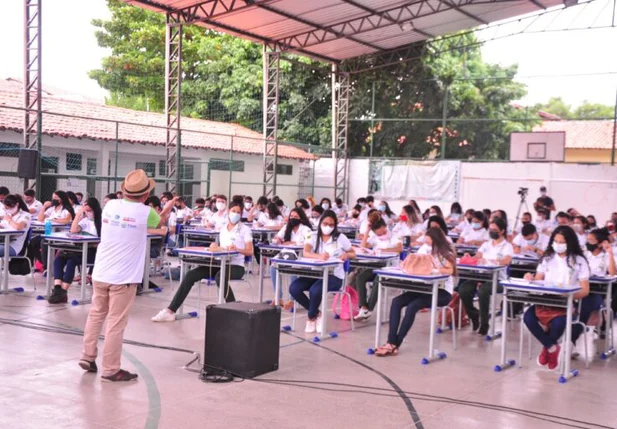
(586, 110)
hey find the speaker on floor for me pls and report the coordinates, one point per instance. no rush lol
(242, 338)
(28, 163)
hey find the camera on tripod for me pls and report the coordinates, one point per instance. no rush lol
(523, 192)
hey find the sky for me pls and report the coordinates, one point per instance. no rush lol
(70, 50)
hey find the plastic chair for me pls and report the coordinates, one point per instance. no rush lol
(162, 259)
(444, 311)
(22, 255)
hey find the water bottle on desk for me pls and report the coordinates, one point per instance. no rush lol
(48, 226)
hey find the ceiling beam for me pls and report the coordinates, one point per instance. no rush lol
(467, 14)
(538, 4)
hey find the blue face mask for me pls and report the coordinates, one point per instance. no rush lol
(381, 208)
(532, 242)
(234, 218)
(476, 225)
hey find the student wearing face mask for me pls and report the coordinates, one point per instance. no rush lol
(496, 249)
(271, 218)
(353, 218)
(315, 216)
(477, 234)
(325, 244)
(434, 222)
(602, 262)
(365, 225)
(456, 214)
(530, 241)
(444, 262)
(466, 222)
(365, 208)
(16, 216)
(258, 209)
(381, 239)
(88, 221)
(563, 263)
(339, 208)
(218, 220)
(543, 223)
(34, 206)
(579, 225)
(233, 236)
(297, 230)
(409, 225)
(326, 204)
(248, 205)
(386, 213)
(433, 211)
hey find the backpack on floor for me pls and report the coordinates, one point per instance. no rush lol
(340, 305)
(455, 303)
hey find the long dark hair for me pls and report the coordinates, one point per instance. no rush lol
(415, 205)
(273, 211)
(480, 216)
(335, 233)
(601, 234)
(456, 208)
(94, 204)
(503, 216)
(66, 204)
(502, 225)
(13, 200)
(378, 223)
(72, 197)
(412, 214)
(387, 211)
(437, 210)
(303, 221)
(440, 221)
(442, 247)
(573, 246)
(303, 204)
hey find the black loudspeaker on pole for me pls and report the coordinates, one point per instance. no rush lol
(28, 163)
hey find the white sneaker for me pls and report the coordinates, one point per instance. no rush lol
(310, 326)
(319, 324)
(363, 314)
(165, 315)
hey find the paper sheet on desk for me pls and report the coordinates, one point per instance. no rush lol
(320, 260)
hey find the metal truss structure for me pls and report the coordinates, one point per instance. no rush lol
(173, 83)
(340, 121)
(271, 68)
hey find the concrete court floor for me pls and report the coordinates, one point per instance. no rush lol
(41, 385)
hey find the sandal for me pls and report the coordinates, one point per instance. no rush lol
(289, 305)
(387, 350)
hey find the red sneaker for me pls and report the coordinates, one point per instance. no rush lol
(553, 358)
(543, 358)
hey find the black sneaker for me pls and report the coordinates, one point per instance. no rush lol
(88, 366)
(483, 330)
(58, 296)
(475, 323)
(121, 375)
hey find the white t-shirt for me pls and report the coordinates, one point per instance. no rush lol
(598, 264)
(121, 255)
(88, 226)
(389, 220)
(540, 244)
(364, 213)
(333, 248)
(265, 220)
(402, 229)
(463, 227)
(54, 213)
(542, 225)
(437, 262)
(386, 241)
(340, 211)
(363, 227)
(36, 205)
(183, 213)
(218, 219)
(475, 235)
(17, 242)
(557, 271)
(495, 252)
(299, 236)
(582, 240)
(239, 236)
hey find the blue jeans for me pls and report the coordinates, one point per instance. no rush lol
(11, 251)
(314, 286)
(273, 278)
(414, 302)
(65, 264)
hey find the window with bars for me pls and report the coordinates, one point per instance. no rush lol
(282, 169)
(162, 167)
(73, 161)
(224, 164)
(91, 167)
(188, 172)
(148, 167)
(9, 150)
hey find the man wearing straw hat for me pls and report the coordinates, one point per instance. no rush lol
(118, 269)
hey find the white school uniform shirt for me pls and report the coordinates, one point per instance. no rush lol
(333, 248)
(495, 252)
(36, 205)
(218, 219)
(540, 244)
(363, 227)
(598, 264)
(239, 236)
(265, 220)
(297, 237)
(475, 235)
(389, 220)
(88, 226)
(558, 271)
(437, 262)
(121, 255)
(387, 241)
(463, 227)
(541, 225)
(183, 213)
(582, 240)
(364, 213)
(423, 238)
(17, 242)
(402, 229)
(340, 211)
(54, 213)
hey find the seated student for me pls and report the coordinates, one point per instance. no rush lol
(465, 224)
(233, 236)
(87, 220)
(530, 241)
(409, 224)
(326, 243)
(602, 261)
(386, 213)
(501, 214)
(415, 205)
(304, 205)
(456, 214)
(379, 238)
(579, 225)
(271, 218)
(295, 232)
(59, 210)
(477, 234)
(525, 220)
(183, 211)
(433, 211)
(282, 208)
(4, 191)
(563, 219)
(354, 216)
(365, 225)
(72, 196)
(444, 262)
(370, 202)
(34, 205)
(435, 222)
(496, 249)
(220, 218)
(258, 209)
(339, 208)
(200, 210)
(16, 216)
(591, 222)
(248, 205)
(543, 223)
(573, 212)
(315, 216)
(365, 208)
(326, 204)
(562, 263)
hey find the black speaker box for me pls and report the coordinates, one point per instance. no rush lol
(242, 338)
(28, 163)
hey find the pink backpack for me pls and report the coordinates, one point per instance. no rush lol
(340, 305)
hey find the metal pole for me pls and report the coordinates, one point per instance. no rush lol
(116, 163)
(614, 131)
(370, 155)
(231, 162)
(443, 122)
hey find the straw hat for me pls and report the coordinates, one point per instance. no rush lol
(137, 183)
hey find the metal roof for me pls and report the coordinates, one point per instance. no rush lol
(336, 30)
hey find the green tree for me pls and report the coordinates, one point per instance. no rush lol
(589, 110)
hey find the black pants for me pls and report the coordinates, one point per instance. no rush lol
(234, 272)
(38, 249)
(362, 279)
(467, 290)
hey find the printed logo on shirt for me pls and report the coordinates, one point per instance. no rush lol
(129, 219)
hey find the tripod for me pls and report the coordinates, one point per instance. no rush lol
(520, 207)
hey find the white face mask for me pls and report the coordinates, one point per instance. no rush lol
(234, 218)
(577, 227)
(325, 206)
(248, 206)
(560, 247)
(327, 230)
(13, 211)
(220, 206)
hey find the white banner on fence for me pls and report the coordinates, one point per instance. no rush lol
(429, 180)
